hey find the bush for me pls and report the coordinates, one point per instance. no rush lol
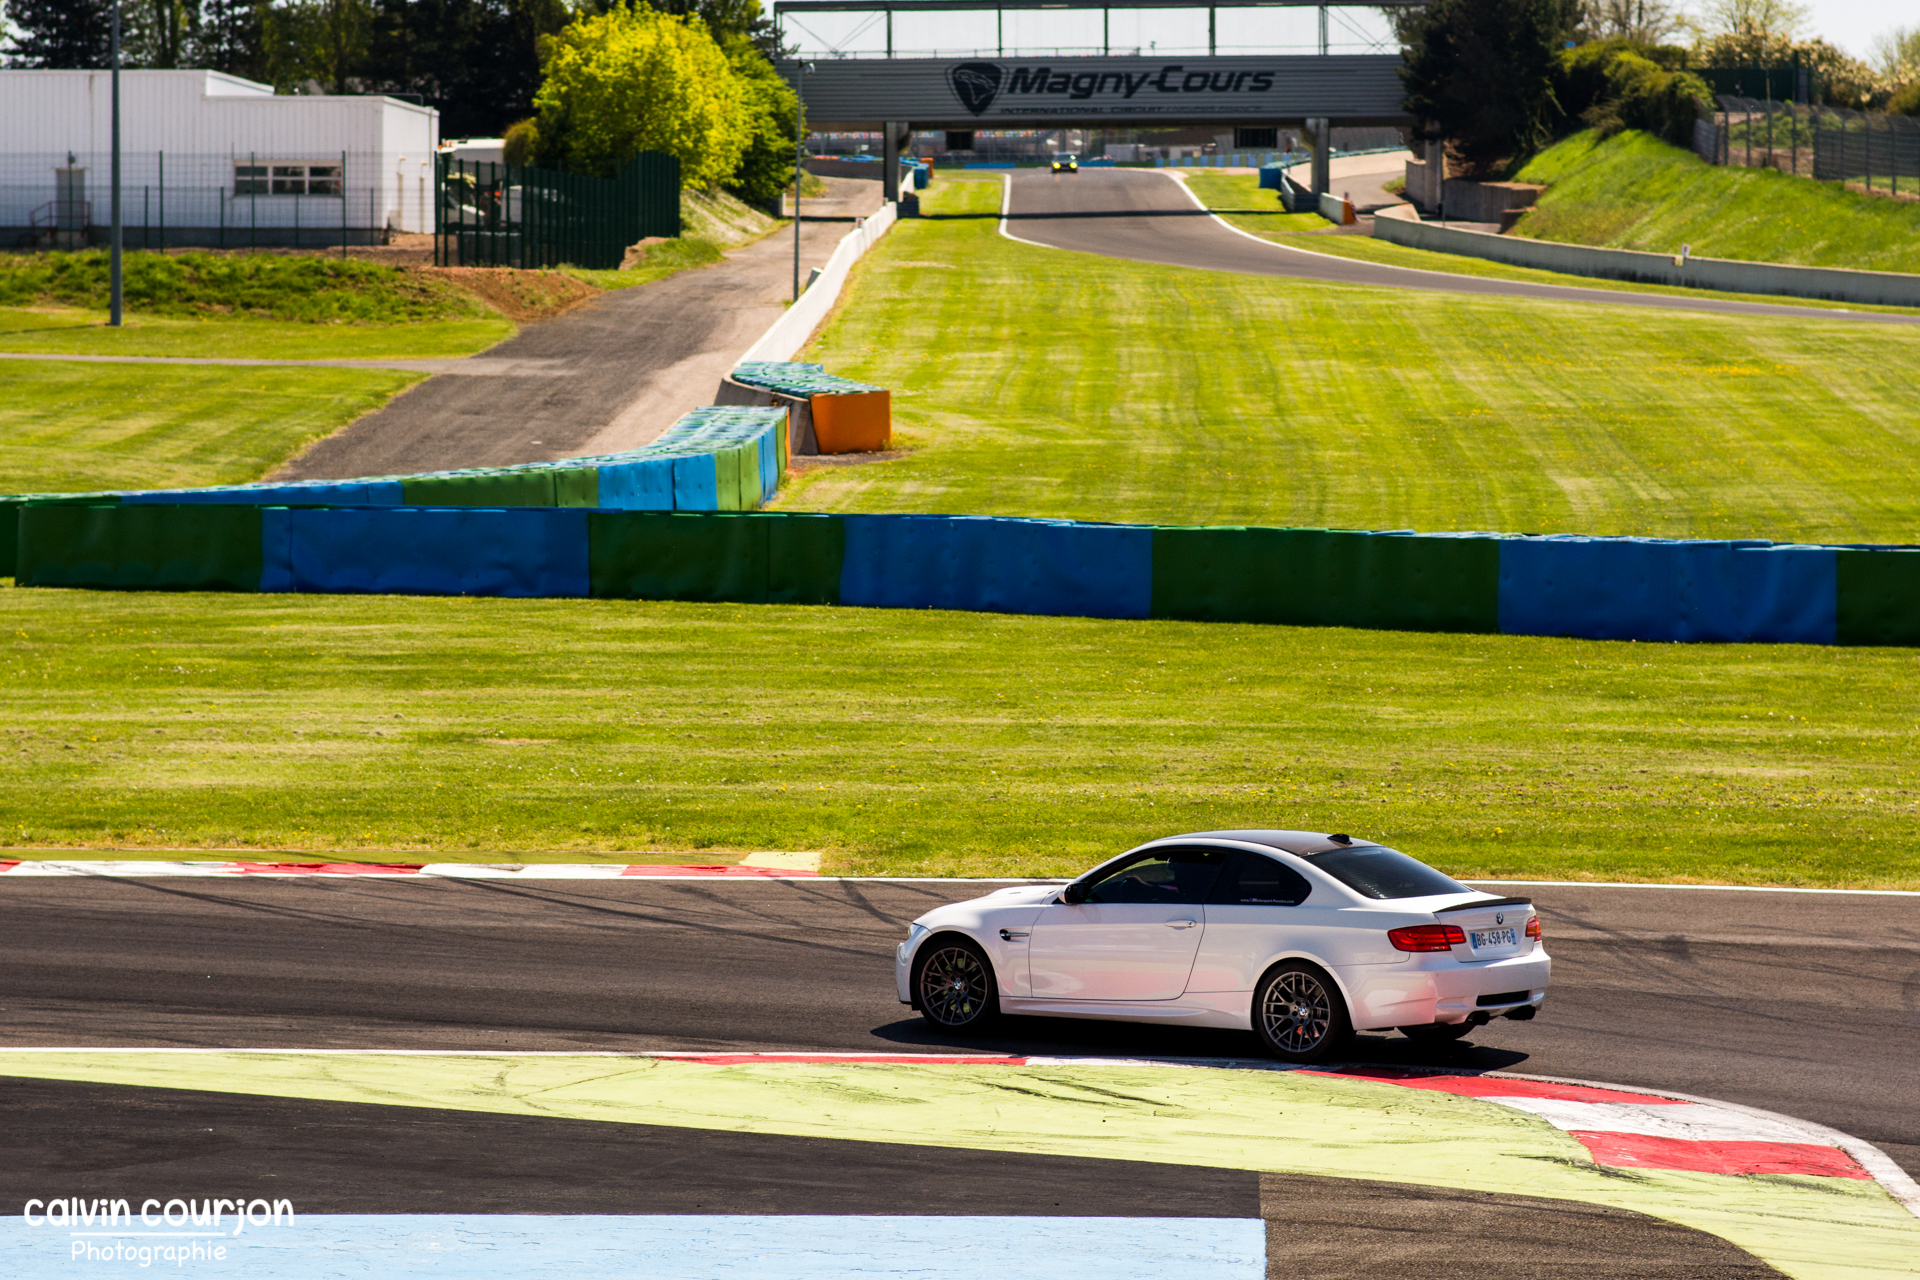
(632, 80)
(522, 142)
(1633, 92)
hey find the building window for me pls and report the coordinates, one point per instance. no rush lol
(286, 179)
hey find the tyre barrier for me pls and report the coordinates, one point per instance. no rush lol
(713, 459)
(1595, 588)
(842, 416)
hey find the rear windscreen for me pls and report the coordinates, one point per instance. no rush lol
(1380, 872)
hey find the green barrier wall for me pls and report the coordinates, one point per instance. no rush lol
(1327, 578)
(195, 547)
(1879, 597)
(576, 486)
(750, 557)
(481, 489)
(659, 555)
(804, 556)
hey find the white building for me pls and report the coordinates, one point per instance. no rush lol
(208, 159)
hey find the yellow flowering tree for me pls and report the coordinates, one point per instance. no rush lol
(632, 79)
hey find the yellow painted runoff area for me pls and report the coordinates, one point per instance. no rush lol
(1276, 1121)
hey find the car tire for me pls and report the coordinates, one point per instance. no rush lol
(1437, 1032)
(1299, 1014)
(954, 986)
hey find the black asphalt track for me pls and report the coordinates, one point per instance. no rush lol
(1805, 1004)
(1144, 215)
(104, 1141)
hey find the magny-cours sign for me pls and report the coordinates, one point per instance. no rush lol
(985, 92)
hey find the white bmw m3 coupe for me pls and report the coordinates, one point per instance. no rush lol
(1299, 937)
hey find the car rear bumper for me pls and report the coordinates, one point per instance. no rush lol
(1382, 997)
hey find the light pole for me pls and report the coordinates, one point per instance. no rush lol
(799, 162)
(114, 236)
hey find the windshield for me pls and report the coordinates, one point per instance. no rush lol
(1379, 872)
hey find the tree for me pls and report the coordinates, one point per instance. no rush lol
(1481, 73)
(633, 79)
(475, 61)
(60, 33)
(230, 38)
(157, 33)
(773, 116)
(1896, 53)
(1782, 18)
(1647, 22)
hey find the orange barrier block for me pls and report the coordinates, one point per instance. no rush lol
(860, 422)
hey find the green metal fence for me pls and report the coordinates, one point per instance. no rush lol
(505, 215)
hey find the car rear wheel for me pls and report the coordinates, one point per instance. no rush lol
(1299, 1015)
(954, 984)
(1437, 1032)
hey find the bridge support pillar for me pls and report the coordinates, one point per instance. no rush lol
(897, 135)
(1320, 130)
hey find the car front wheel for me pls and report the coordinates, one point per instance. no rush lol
(1299, 1015)
(955, 985)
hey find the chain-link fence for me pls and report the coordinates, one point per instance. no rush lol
(504, 215)
(1832, 144)
(64, 199)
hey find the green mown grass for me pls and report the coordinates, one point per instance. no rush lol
(1030, 381)
(1237, 197)
(925, 742)
(71, 427)
(668, 258)
(1633, 191)
(49, 330)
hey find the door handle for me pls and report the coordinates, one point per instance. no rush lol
(1180, 924)
(1012, 935)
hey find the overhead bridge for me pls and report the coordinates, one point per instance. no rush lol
(895, 96)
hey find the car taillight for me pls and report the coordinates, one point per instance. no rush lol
(1533, 927)
(1426, 937)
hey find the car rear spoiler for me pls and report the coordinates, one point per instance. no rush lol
(1475, 906)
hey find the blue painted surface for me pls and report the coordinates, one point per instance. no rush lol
(993, 565)
(645, 484)
(696, 483)
(481, 551)
(1654, 590)
(516, 1246)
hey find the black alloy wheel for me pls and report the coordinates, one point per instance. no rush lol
(955, 985)
(1299, 1015)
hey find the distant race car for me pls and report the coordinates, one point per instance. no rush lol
(1299, 937)
(1066, 163)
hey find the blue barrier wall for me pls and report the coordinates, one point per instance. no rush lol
(994, 565)
(435, 551)
(1648, 589)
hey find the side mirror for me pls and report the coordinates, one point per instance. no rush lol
(1074, 894)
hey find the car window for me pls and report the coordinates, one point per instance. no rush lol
(1165, 875)
(1254, 880)
(1379, 872)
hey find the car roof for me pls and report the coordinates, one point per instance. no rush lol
(1300, 842)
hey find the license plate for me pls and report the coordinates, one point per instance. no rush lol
(1492, 938)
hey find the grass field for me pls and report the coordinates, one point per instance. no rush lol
(67, 427)
(81, 331)
(932, 742)
(1236, 197)
(1032, 381)
(1633, 191)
